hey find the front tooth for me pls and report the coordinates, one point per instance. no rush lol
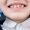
(22, 6)
(18, 6)
(14, 6)
(11, 6)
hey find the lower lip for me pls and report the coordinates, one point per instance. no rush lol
(17, 9)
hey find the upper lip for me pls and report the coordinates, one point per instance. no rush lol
(17, 3)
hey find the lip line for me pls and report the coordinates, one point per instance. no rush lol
(17, 3)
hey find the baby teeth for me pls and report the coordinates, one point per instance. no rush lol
(17, 6)
(14, 6)
(22, 6)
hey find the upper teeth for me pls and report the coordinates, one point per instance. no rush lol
(17, 6)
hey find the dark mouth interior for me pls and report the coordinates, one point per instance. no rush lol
(25, 5)
(11, 5)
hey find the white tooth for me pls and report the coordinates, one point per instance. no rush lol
(14, 6)
(11, 6)
(17, 6)
(22, 6)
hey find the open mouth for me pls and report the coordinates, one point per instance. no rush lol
(17, 5)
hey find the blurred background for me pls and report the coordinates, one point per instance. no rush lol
(2, 17)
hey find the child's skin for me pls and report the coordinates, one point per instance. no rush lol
(16, 11)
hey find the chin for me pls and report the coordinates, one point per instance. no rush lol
(17, 16)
